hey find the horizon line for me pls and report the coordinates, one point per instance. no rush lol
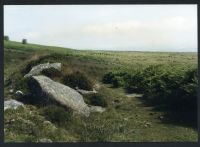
(114, 50)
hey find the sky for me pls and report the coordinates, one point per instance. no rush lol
(105, 27)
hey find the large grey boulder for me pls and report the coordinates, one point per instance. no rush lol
(61, 94)
(12, 104)
(36, 70)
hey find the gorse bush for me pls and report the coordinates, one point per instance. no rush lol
(108, 77)
(115, 82)
(77, 79)
(116, 79)
(130, 82)
(175, 89)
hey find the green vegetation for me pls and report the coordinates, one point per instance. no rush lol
(77, 79)
(96, 100)
(164, 79)
(167, 87)
(24, 41)
(6, 38)
(27, 125)
(58, 115)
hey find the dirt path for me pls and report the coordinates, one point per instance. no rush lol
(142, 123)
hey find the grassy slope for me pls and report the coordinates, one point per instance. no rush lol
(123, 121)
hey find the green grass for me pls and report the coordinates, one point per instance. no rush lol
(125, 118)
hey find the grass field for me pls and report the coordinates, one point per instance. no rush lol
(126, 118)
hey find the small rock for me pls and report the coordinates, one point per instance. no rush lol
(97, 109)
(19, 93)
(161, 117)
(134, 95)
(12, 104)
(150, 113)
(11, 91)
(45, 140)
(12, 120)
(126, 119)
(147, 125)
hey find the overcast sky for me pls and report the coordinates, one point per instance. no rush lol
(107, 27)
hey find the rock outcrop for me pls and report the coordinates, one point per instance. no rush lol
(36, 70)
(12, 104)
(61, 94)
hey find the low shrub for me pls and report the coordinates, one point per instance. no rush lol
(165, 85)
(51, 72)
(108, 77)
(77, 79)
(96, 100)
(131, 82)
(169, 87)
(114, 78)
(28, 66)
(115, 82)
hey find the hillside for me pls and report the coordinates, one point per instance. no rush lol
(129, 116)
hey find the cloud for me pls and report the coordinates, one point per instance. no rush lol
(131, 26)
(134, 27)
(161, 33)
